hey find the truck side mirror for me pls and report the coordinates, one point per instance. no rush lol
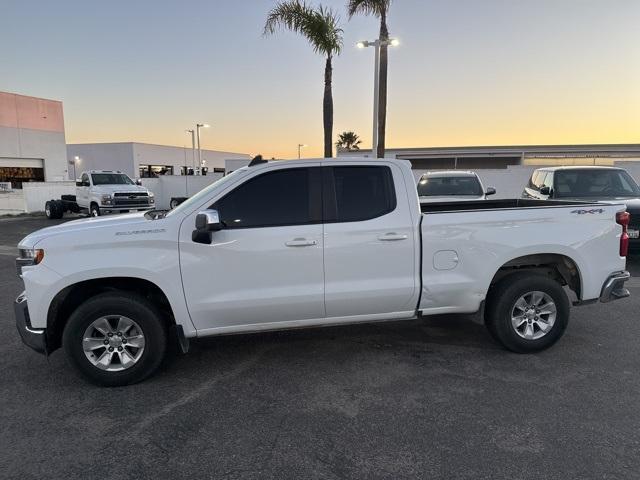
(139, 182)
(208, 221)
(545, 190)
(490, 191)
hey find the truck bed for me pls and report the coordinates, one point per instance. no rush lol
(501, 204)
(465, 243)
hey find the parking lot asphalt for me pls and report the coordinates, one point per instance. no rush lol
(418, 399)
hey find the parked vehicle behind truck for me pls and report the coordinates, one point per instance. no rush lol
(310, 243)
(452, 185)
(589, 184)
(100, 192)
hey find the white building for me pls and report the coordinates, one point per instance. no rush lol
(32, 142)
(141, 160)
(500, 157)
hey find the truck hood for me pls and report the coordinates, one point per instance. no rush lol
(111, 189)
(110, 222)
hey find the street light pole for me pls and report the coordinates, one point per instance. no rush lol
(300, 145)
(376, 97)
(376, 44)
(75, 159)
(198, 127)
(193, 149)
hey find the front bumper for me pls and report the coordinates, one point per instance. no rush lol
(112, 209)
(34, 338)
(613, 288)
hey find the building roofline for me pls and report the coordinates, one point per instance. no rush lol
(31, 96)
(519, 149)
(154, 145)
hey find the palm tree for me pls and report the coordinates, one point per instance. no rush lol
(380, 9)
(349, 141)
(321, 28)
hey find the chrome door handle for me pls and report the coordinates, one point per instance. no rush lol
(392, 237)
(301, 242)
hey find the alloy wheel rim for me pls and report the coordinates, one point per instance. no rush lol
(533, 315)
(113, 343)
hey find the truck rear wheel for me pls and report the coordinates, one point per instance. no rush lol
(53, 209)
(115, 339)
(527, 312)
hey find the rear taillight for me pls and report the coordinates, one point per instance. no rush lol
(623, 218)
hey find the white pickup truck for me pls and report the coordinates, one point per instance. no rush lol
(307, 243)
(102, 191)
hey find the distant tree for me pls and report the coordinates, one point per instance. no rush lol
(320, 26)
(380, 9)
(349, 141)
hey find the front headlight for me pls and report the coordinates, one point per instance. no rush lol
(106, 199)
(28, 257)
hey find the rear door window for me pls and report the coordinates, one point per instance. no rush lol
(358, 193)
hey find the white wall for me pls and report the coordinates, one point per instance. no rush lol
(168, 186)
(149, 154)
(101, 156)
(37, 193)
(128, 156)
(12, 203)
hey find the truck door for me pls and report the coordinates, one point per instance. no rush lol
(82, 192)
(370, 253)
(265, 266)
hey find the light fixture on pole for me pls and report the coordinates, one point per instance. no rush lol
(392, 42)
(75, 159)
(193, 149)
(198, 127)
(300, 145)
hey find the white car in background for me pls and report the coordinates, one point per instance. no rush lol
(452, 185)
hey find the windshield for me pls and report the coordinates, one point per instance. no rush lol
(445, 186)
(594, 183)
(204, 193)
(111, 179)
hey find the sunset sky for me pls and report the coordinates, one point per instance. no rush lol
(467, 72)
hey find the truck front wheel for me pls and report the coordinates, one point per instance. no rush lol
(94, 210)
(115, 339)
(527, 312)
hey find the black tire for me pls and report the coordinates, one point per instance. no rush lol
(501, 304)
(94, 210)
(116, 304)
(53, 209)
(173, 204)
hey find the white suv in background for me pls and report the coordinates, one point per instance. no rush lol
(452, 185)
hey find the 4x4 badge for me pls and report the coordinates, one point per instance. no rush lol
(583, 211)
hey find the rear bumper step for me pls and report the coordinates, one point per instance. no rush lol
(613, 288)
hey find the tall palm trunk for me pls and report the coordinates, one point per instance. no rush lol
(327, 110)
(382, 99)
